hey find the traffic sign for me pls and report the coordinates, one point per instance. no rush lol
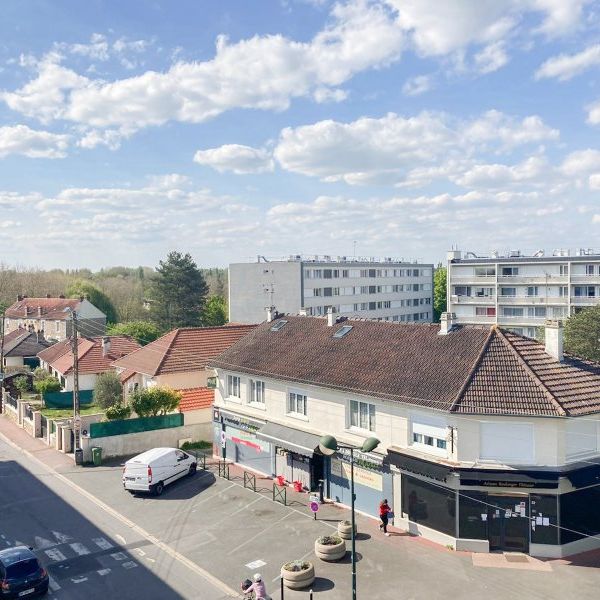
(223, 439)
(314, 507)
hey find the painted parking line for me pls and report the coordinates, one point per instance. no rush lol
(55, 554)
(53, 585)
(258, 534)
(103, 572)
(78, 579)
(103, 543)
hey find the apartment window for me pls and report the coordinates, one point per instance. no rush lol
(509, 311)
(559, 312)
(563, 291)
(427, 300)
(415, 272)
(372, 289)
(510, 271)
(257, 391)
(345, 273)
(508, 291)
(430, 434)
(589, 269)
(484, 292)
(335, 273)
(318, 291)
(485, 311)
(591, 291)
(536, 311)
(297, 403)
(415, 287)
(415, 316)
(533, 290)
(362, 415)
(317, 274)
(415, 302)
(233, 386)
(307, 273)
(462, 290)
(364, 306)
(326, 273)
(355, 273)
(563, 269)
(485, 271)
(372, 305)
(327, 291)
(585, 291)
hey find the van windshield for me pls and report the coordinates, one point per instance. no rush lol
(23, 568)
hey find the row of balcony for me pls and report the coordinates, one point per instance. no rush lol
(527, 300)
(527, 279)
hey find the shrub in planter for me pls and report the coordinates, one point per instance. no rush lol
(330, 547)
(345, 529)
(298, 574)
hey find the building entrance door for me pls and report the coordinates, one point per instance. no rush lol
(508, 520)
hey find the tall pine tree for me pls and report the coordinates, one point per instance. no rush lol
(178, 293)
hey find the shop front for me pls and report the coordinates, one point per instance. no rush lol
(236, 440)
(372, 480)
(295, 457)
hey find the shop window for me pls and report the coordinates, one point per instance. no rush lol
(471, 524)
(579, 516)
(543, 513)
(429, 504)
(233, 386)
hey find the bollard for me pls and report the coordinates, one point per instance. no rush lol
(310, 596)
(282, 588)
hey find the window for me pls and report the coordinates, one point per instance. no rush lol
(372, 272)
(372, 305)
(485, 311)
(297, 403)
(279, 325)
(508, 291)
(415, 272)
(327, 291)
(56, 326)
(257, 391)
(326, 273)
(484, 292)
(589, 269)
(563, 291)
(233, 386)
(342, 331)
(462, 290)
(507, 442)
(430, 434)
(532, 290)
(362, 415)
(429, 504)
(536, 311)
(512, 312)
(345, 273)
(510, 271)
(485, 271)
(591, 291)
(563, 269)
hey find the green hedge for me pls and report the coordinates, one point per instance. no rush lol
(65, 399)
(125, 426)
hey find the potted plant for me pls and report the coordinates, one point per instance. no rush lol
(345, 529)
(330, 547)
(298, 574)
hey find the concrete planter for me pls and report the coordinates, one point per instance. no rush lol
(330, 548)
(300, 578)
(345, 530)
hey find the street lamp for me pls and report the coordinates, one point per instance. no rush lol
(328, 446)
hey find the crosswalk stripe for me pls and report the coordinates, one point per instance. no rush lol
(79, 549)
(103, 571)
(119, 555)
(53, 585)
(102, 543)
(55, 554)
(129, 564)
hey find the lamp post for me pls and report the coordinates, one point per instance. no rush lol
(328, 446)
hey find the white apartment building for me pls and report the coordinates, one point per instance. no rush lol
(520, 291)
(386, 289)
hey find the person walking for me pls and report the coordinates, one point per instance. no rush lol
(384, 510)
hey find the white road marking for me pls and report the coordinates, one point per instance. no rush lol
(184, 560)
(79, 549)
(55, 554)
(53, 585)
(256, 564)
(140, 551)
(120, 539)
(129, 565)
(103, 571)
(102, 543)
(42, 543)
(2, 536)
(61, 537)
(119, 555)
(78, 579)
(258, 534)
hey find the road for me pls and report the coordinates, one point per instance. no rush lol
(89, 552)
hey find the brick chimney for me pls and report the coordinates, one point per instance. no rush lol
(446, 323)
(555, 336)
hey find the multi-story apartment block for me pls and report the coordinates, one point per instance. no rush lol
(520, 291)
(386, 289)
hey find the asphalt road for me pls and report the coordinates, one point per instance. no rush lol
(89, 552)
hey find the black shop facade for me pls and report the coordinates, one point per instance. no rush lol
(542, 512)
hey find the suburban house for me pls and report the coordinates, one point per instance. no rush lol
(178, 360)
(20, 348)
(52, 317)
(95, 356)
(486, 438)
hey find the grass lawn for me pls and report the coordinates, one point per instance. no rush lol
(67, 413)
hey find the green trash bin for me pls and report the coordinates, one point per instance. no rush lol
(97, 456)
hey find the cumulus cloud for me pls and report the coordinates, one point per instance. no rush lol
(593, 117)
(415, 86)
(581, 162)
(236, 158)
(491, 58)
(566, 66)
(22, 140)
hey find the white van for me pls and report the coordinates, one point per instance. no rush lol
(152, 470)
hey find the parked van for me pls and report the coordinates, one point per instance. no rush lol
(152, 470)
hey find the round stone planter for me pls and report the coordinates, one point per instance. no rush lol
(345, 530)
(298, 580)
(330, 552)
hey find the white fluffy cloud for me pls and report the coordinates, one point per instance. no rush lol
(593, 117)
(491, 58)
(415, 86)
(567, 66)
(236, 158)
(20, 139)
(581, 162)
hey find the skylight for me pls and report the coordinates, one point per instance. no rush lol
(279, 325)
(342, 331)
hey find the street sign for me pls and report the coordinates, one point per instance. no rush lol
(223, 439)
(314, 507)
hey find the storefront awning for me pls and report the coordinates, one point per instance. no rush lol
(511, 479)
(288, 438)
(419, 466)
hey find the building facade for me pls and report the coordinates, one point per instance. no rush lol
(486, 438)
(388, 289)
(519, 291)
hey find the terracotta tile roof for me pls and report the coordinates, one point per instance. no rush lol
(196, 398)
(51, 308)
(22, 342)
(183, 350)
(472, 370)
(90, 353)
(125, 375)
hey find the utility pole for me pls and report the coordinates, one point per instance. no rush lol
(77, 451)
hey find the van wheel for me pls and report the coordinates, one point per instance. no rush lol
(158, 488)
(193, 468)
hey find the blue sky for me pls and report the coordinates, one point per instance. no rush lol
(231, 129)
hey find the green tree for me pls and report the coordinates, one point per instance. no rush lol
(22, 384)
(439, 292)
(154, 401)
(142, 331)
(47, 386)
(108, 390)
(117, 412)
(178, 292)
(215, 311)
(99, 299)
(39, 373)
(582, 334)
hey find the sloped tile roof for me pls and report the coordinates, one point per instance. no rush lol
(52, 308)
(183, 350)
(90, 354)
(196, 398)
(22, 342)
(471, 370)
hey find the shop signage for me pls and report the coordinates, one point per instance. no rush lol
(361, 476)
(368, 461)
(247, 439)
(240, 423)
(510, 484)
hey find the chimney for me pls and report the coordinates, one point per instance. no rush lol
(271, 313)
(446, 323)
(105, 346)
(39, 311)
(330, 317)
(48, 296)
(303, 312)
(62, 296)
(555, 335)
(19, 298)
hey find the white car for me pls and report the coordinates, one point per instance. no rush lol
(152, 470)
